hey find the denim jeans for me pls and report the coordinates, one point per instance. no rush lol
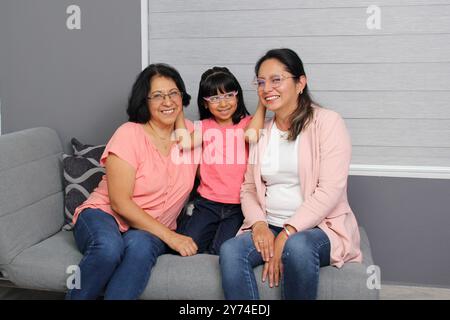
(303, 254)
(114, 263)
(212, 223)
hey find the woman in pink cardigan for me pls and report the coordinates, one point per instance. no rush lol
(294, 197)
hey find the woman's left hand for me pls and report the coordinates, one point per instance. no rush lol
(274, 268)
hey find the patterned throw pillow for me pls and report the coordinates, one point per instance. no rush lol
(87, 150)
(82, 174)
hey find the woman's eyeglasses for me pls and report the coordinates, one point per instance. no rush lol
(159, 97)
(217, 98)
(274, 81)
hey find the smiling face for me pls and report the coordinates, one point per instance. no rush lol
(282, 98)
(164, 112)
(224, 109)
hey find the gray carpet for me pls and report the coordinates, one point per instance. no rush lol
(22, 294)
(402, 292)
(388, 292)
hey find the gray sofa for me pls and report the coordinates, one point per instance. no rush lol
(35, 253)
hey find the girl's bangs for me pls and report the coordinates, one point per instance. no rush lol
(220, 82)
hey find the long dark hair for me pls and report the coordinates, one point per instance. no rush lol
(222, 80)
(303, 114)
(137, 102)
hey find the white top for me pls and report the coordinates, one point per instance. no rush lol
(279, 170)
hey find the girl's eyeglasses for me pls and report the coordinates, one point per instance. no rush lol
(217, 98)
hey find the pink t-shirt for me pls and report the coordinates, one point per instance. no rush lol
(224, 160)
(162, 186)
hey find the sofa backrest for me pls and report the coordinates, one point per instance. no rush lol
(31, 192)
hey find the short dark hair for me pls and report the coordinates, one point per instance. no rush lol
(137, 109)
(220, 79)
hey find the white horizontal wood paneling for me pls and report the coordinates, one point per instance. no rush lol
(215, 5)
(391, 85)
(378, 104)
(370, 104)
(297, 22)
(407, 156)
(334, 49)
(400, 171)
(351, 77)
(400, 132)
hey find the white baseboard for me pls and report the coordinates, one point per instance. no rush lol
(400, 171)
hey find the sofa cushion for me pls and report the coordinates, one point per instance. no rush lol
(82, 174)
(44, 266)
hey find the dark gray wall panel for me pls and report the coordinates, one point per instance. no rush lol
(407, 222)
(75, 81)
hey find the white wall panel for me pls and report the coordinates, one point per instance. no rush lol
(333, 49)
(218, 5)
(297, 22)
(391, 85)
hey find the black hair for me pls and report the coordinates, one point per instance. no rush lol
(137, 109)
(303, 114)
(220, 79)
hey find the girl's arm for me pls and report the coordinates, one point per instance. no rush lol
(183, 138)
(121, 178)
(252, 131)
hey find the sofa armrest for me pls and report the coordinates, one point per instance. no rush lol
(31, 191)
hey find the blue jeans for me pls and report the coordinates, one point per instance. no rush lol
(303, 254)
(212, 223)
(114, 263)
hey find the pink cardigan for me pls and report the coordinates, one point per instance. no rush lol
(324, 160)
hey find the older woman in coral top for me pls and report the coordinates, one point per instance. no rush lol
(294, 197)
(130, 218)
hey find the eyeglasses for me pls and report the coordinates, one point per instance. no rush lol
(226, 96)
(274, 81)
(159, 97)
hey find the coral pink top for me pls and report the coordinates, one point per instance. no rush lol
(224, 160)
(162, 185)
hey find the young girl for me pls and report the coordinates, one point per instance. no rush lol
(226, 126)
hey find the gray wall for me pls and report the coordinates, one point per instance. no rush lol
(75, 81)
(3, 57)
(78, 81)
(407, 221)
